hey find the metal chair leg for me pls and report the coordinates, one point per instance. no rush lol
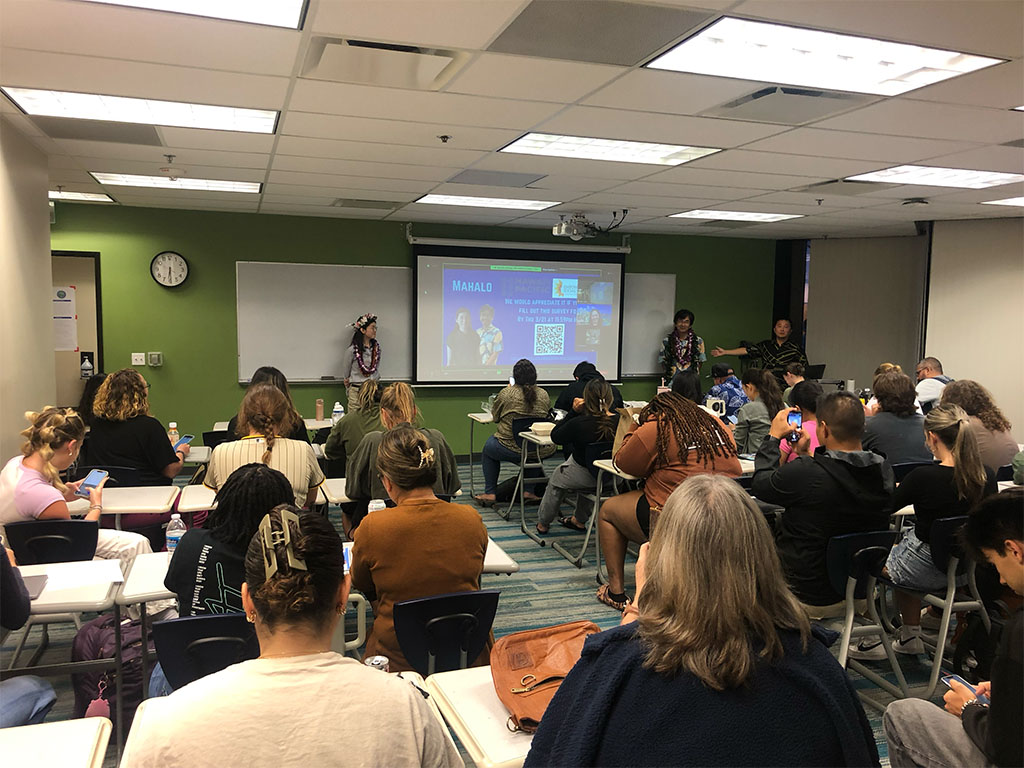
(577, 559)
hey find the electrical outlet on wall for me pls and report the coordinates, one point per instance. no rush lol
(138, 358)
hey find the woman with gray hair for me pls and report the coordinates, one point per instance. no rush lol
(718, 665)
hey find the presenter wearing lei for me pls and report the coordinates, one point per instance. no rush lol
(682, 350)
(362, 362)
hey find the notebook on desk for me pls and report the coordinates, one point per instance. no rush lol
(34, 585)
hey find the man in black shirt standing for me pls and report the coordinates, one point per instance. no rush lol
(921, 734)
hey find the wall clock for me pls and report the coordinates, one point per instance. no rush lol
(169, 269)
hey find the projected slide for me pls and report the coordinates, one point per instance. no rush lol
(478, 315)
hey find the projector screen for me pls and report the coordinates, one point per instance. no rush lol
(479, 310)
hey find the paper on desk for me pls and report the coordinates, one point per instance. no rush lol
(83, 573)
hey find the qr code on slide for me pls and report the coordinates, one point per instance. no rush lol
(549, 339)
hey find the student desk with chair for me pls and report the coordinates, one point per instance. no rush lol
(121, 500)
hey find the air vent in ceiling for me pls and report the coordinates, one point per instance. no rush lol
(377, 205)
(786, 105)
(495, 178)
(598, 31)
(98, 130)
(373, 63)
(729, 224)
(845, 188)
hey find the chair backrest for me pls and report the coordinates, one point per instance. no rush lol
(321, 435)
(36, 542)
(944, 542)
(595, 451)
(214, 438)
(900, 471)
(523, 424)
(445, 632)
(195, 646)
(334, 467)
(857, 555)
(119, 476)
(1004, 472)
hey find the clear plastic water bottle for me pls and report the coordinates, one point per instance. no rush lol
(337, 412)
(172, 432)
(87, 368)
(175, 530)
(375, 505)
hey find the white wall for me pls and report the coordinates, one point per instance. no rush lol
(27, 379)
(865, 304)
(976, 307)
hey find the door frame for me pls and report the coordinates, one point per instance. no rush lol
(95, 256)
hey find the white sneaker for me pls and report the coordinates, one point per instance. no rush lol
(867, 650)
(912, 646)
(931, 622)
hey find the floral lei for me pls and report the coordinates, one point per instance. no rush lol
(686, 351)
(367, 370)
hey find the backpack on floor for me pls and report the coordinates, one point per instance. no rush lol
(95, 640)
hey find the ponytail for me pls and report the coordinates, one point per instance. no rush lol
(50, 429)
(399, 401)
(768, 391)
(951, 424)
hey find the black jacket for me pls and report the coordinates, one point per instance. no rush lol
(575, 390)
(825, 495)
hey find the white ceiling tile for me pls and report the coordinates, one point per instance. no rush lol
(131, 195)
(992, 193)
(394, 131)
(987, 27)
(906, 117)
(687, 174)
(796, 165)
(132, 34)
(155, 155)
(449, 215)
(394, 104)
(509, 193)
(572, 183)
(829, 202)
(114, 77)
(648, 126)
(376, 152)
(647, 201)
(348, 186)
(523, 77)
(379, 183)
(651, 90)
(226, 141)
(900, 150)
(568, 166)
(299, 200)
(451, 23)
(69, 176)
(1001, 86)
(146, 168)
(199, 206)
(360, 168)
(1006, 159)
(325, 211)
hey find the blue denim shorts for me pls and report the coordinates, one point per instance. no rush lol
(910, 565)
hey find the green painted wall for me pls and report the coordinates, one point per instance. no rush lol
(726, 282)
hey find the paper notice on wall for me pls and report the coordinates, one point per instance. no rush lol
(65, 319)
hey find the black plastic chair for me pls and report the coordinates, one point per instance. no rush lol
(854, 563)
(321, 435)
(1004, 473)
(593, 452)
(214, 438)
(445, 632)
(37, 542)
(900, 471)
(195, 646)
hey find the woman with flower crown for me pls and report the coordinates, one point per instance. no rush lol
(362, 360)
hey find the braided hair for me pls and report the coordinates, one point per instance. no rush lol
(265, 411)
(249, 493)
(693, 429)
(51, 428)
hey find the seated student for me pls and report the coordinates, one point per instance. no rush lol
(840, 489)
(596, 425)
(990, 427)
(421, 547)
(674, 440)
(363, 481)
(299, 703)
(728, 388)
(793, 375)
(896, 430)
(26, 699)
(265, 416)
(31, 489)
(268, 374)
(930, 382)
(969, 733)
(717, 666)
(356, 424)
(85, 404)
(805, 399)
(754, 419)
(571, 398)
(947, 489)
(520, 399)
(687, 384)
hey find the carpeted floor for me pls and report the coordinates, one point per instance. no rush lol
(547, 590)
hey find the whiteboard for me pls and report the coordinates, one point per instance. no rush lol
(648, 306)
(296, 317)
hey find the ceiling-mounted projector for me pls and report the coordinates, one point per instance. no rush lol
(576, 227)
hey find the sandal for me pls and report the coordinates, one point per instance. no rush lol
(542, 531)
(485, 500)
(569, 522)
(604, 596)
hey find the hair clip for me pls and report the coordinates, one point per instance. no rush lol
(271, 539)
(425, 456)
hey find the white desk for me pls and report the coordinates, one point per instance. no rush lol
(603, 465)
(417, 681)
(497, 561)
(1004, 484)
(333, 489)
(468, 702)
(67, 743)
(145, 580)
(126, 500)
(318, 450)
(746, 466)
(197, 498)
(198, 454)
(474, 419)
(635, 403)
(315, 424)
(85, 585)
(220, 426)
(527, 438)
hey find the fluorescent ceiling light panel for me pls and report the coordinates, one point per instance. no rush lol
(939, 177)
(775, 53)
(86, 197)
(735, 216)
(1018, 201)
(163, 182)
(617, 150)
(123, 109)
(487, 202)
(275, 13)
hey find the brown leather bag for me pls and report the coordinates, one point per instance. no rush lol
(528, 667)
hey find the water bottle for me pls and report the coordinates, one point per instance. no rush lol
(375, 505)
(87, 368)
(172, 432)
(337, 412)
(175, 530)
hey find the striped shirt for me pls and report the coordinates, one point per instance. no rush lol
(775, 357)
(292, 458)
